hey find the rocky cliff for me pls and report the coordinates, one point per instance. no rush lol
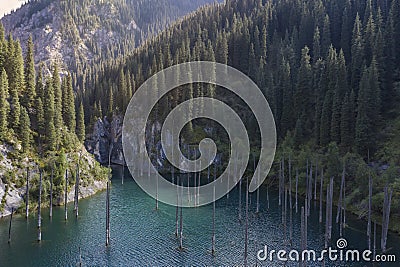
(106, 137)
(77, 33)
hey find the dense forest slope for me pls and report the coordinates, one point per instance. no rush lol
(329, 69)
(40, 129)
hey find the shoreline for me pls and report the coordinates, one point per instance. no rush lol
(84, 192)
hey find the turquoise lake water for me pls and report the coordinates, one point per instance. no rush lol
(143, 236)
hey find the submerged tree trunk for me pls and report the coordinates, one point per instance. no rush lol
(315, 180)
(198, 188)
(321, 195)
(246, 224)
(327, 216)
(339, 213)
(374, 252)
(39, 209)
(156, 193)
(310, 183)
(306, 225)
(284, 215)
(76, 202)
(181, 223)
(344, 204)
(177, 204)
(329, 202)
(386, 217)
(9, 227)
(213, 222)
(240, 199)
(27, 194)
(123, 172)
(66, 195)
(213, 225)
(51, 192)
(369, 210)
(302, 233)
(258, 196)
(297, 184)
(290, 204)
(108, 213)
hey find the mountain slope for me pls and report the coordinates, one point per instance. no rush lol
(75, 33)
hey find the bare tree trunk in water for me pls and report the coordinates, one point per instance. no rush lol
(247, 224)
(66, 196)
(51, 192)
(39, 208)
(369, 210)
(9, 227)
(297, 184)
(27, 194)
(321, 195)
(386, 217)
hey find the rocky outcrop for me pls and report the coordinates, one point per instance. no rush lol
(12, 179)
(84, 192)
(106, 140)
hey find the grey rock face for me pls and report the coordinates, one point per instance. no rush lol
(106, 138)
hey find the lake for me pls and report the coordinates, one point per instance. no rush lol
(143, 236)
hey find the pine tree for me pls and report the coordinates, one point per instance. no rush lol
(122, 89)
(80, 123)
(264, 43)
(41, 125)
(316, 45)
(346, 124)
(211, 88)
(340, 91)
(38, 112)
(342, 81)
(15, 78)
(298, 132)
(363, 123)
(345, 40)
(303, 92)
(30, 93)
(69, 105)
(4, 105)
(49, 110)
(326, 116)
(25, 130)
(356, 54)
(15, 108)
(110, 103)
(39, 88)
(375, 94)
(56, 84)
(252, 72)
(129, 92)
(335, 121)
(287, 120)
(369, 38)
(368, 115)
(221, 54)
(326, 36)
